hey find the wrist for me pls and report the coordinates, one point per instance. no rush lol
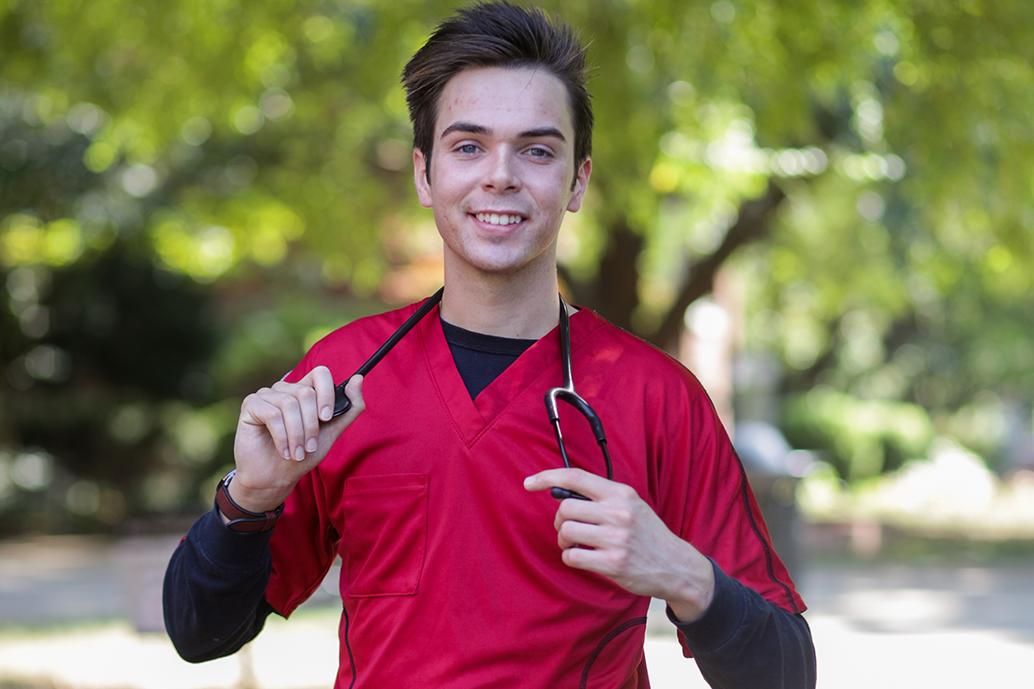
(251, 498)
(239, 518)
(694, 592)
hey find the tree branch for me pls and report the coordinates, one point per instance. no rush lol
(752, 223)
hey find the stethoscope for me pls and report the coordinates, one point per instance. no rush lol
(565, 393)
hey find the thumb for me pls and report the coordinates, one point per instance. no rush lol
(331, 430)
(354, 391)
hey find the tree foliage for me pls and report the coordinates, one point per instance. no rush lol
(244, 169)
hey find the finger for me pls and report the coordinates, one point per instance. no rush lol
(291, 409)
(585, 511)
(584, 558)
(323, 383)
(257, 411)
(308, 408)
(571, 534)
(590, 485)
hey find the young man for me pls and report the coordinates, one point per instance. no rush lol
(459, 568)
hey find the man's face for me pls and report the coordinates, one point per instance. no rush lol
(500, 178)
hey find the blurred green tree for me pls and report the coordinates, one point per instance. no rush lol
(869, 161)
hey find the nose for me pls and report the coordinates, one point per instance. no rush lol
(502, 175)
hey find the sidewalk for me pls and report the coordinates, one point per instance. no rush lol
(875, 625)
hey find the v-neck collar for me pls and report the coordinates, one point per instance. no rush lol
(472, 417)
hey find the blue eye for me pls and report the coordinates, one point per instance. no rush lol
(540, 152)
(467, 149)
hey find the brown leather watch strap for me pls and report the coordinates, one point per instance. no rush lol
(240, 519)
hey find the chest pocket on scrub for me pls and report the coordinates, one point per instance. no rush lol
(385, 534)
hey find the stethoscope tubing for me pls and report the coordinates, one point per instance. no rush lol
(565, 393)
(341, 402)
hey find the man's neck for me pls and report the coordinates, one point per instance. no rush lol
(522, 306)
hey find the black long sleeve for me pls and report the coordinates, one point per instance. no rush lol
(745, 642)
(213, 590)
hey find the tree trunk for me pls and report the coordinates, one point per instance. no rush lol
(616, 291)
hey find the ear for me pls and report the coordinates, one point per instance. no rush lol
(423, 185)
(581, 182)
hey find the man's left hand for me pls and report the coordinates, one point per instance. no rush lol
(616, 534)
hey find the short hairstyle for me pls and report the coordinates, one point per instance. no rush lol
(496, 34)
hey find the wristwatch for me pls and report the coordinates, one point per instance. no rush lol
(242, 520)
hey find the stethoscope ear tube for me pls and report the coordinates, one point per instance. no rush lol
(341, 402)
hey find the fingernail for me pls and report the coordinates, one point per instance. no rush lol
(285, 454)
(299, 453)
(325, 413)
(528, 481)
(311, 445)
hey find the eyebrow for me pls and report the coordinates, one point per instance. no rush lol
(537, 133)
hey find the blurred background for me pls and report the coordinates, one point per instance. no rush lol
(826, 210)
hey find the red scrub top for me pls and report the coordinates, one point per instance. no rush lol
(451, 573)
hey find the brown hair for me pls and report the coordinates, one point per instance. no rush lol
(496, 34)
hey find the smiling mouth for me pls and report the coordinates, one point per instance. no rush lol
(500, 219)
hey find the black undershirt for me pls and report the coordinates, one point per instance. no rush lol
(481, 358)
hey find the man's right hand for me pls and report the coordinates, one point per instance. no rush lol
(283, 432)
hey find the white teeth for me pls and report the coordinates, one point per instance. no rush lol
(497, 219)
